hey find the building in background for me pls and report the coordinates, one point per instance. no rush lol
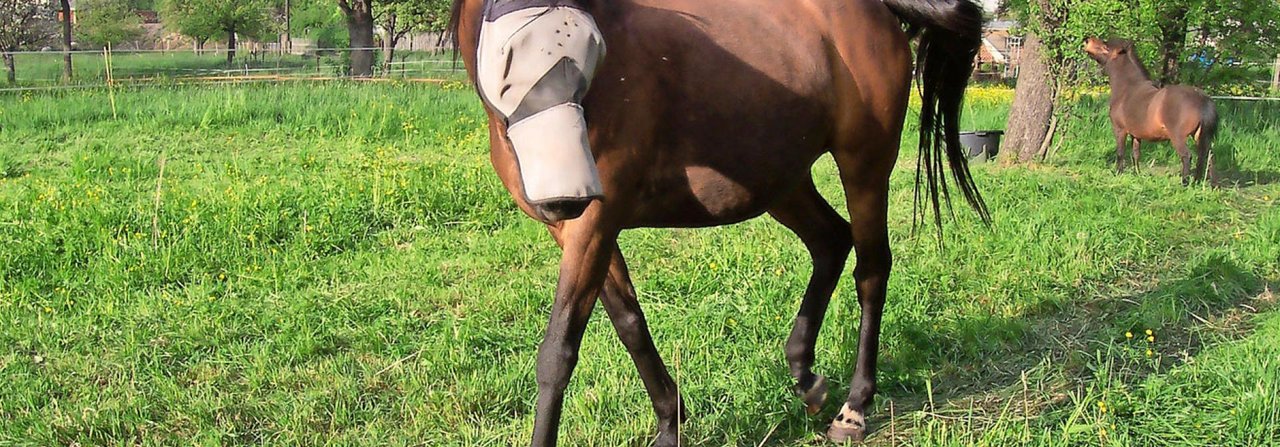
(1000, 52)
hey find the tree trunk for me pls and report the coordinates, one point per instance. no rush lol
(287, 46)
(1173, 37)
(66, 41)
(1275, 75)
(1032, 109)
(360, 28)
(12, 73)
(231, 47)
(389, 44)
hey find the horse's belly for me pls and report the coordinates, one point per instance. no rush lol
(700, 196)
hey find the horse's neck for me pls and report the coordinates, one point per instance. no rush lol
(1126, 76)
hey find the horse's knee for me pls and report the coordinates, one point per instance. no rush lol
(873, 264)
(633, 330)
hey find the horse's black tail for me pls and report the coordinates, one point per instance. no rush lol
(950, 33)
(1204, 142)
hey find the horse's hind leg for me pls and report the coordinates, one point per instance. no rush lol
(1180, 145)
(1136, 154)
(588, 249)
(827, 237)
(1204, 156)
(866, 182)
(624, 311)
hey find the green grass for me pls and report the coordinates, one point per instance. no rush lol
(337, 264)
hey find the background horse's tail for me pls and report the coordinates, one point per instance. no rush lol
(950, 33)
(1204, 142)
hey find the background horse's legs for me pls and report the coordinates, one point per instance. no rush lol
(624, 311)
(1136, 154)
(828, 239)
(1180, 145)
(587, 251)
(867, 193)
(1120, 137)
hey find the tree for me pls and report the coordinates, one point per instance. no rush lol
(22, 23)
(204, 19)
(104, 22)
(359, 15)
(1225, 35)
(65, 18)
(398, 18)
(1171, 22)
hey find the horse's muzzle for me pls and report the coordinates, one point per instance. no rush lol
(556, 211)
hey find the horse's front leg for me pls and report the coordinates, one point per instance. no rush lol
(624, 311)
(1120, 137)
(588, 247)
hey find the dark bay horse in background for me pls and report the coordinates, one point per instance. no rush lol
(708, 113)
(1145, 112)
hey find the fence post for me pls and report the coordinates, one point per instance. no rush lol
(111, 89)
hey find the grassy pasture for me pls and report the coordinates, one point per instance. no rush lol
(336, 264)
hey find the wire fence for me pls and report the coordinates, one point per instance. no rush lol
(44, 70)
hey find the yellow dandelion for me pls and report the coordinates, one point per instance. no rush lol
(1149, 332)
(1151, 338)
(1150, 353)
(712, 265)
(1128, 334)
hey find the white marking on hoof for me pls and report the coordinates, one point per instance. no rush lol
(848, 419)
(815, 396)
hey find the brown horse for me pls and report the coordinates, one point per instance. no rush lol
(1145, 112)
(708, 113)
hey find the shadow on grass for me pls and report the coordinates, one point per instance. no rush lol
(965, 361)
(1231, 172)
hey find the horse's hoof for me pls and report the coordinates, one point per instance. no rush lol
(843, 435)
(667, 439)
(815, 396)
(848, 426)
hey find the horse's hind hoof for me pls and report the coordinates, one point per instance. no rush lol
(848, 426)
(815, 396)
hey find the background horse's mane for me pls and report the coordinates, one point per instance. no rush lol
(1131, 54)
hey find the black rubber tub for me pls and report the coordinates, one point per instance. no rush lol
(981, 145)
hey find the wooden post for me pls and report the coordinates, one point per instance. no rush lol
(111, 91)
